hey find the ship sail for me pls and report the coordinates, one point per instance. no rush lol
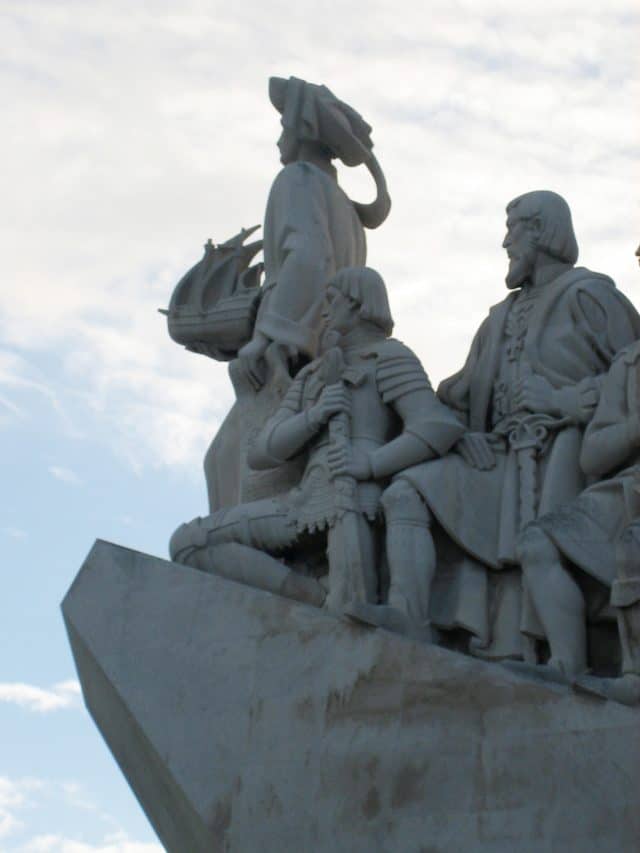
(213, 306)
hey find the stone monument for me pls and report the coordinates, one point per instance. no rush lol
(409, 620)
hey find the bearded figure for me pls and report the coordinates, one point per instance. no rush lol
(530, 385)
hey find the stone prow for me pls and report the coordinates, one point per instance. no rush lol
(245, 721)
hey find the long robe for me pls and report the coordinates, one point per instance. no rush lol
(311, 230)
(587, 530)
(575, 328)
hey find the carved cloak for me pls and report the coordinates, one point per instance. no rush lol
(587, 530)
(578, 324)
(311, 230)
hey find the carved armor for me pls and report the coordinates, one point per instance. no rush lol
(395, 417)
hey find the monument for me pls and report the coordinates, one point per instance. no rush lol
(410, 619)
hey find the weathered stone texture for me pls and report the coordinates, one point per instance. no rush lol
(248, 722)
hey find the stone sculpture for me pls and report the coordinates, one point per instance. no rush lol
(245, 721)
(364, 410)
(311, 228)
(500, 516)
(597, 535)
(526, 392)
(452, 515)
(443, 514)
(213, 307)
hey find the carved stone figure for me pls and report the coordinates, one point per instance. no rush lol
(596, 536)
(362, 411)
(311, 228)
(213, 307)
(500, 516)
(528, 388)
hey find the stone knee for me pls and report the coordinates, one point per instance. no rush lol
(535, 551)
(402, 503)
(187, 539)
(221, 527)
(261, 524)
(557, 596)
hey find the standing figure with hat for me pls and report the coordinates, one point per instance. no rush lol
(311, 228)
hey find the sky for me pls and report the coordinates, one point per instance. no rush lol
(135, 131)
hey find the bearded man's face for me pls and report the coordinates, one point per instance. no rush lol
(521, 246)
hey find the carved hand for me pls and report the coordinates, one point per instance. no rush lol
(475, 448)
(536, 394)
(333, 399)
(252, 355)
(346, 460)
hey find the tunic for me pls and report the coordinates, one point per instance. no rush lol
(573, 329)
(567, 331)
(311, 230)
(587, 530)
(393, 411)
(380, 376)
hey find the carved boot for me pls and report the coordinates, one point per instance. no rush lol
(625, 689)
(625, 595)
(559, 603)
(390, 619)
(411, 559)
(553, 671)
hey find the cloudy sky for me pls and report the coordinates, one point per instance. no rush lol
(133, 132)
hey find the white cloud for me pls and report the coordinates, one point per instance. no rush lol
(113, 187)
(115, 843)
(70, 687)
(10, 409)
(14, 795)
(20, 378)
(65, 475)
(41, 700)
(15, 533)
(471, 104)
(25, 796)
(76, 796)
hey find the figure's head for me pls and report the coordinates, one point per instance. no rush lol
(537, 222)
(357, 295)
(318, 127)
(313, 114)
(288, 145)
(638, 254)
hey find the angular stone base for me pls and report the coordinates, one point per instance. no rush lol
(246, 722)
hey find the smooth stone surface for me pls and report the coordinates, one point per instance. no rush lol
(247, 722)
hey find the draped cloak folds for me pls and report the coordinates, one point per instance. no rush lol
(587, 530)
(576, 326)
(311, 230)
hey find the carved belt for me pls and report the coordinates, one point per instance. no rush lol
(527, 435)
